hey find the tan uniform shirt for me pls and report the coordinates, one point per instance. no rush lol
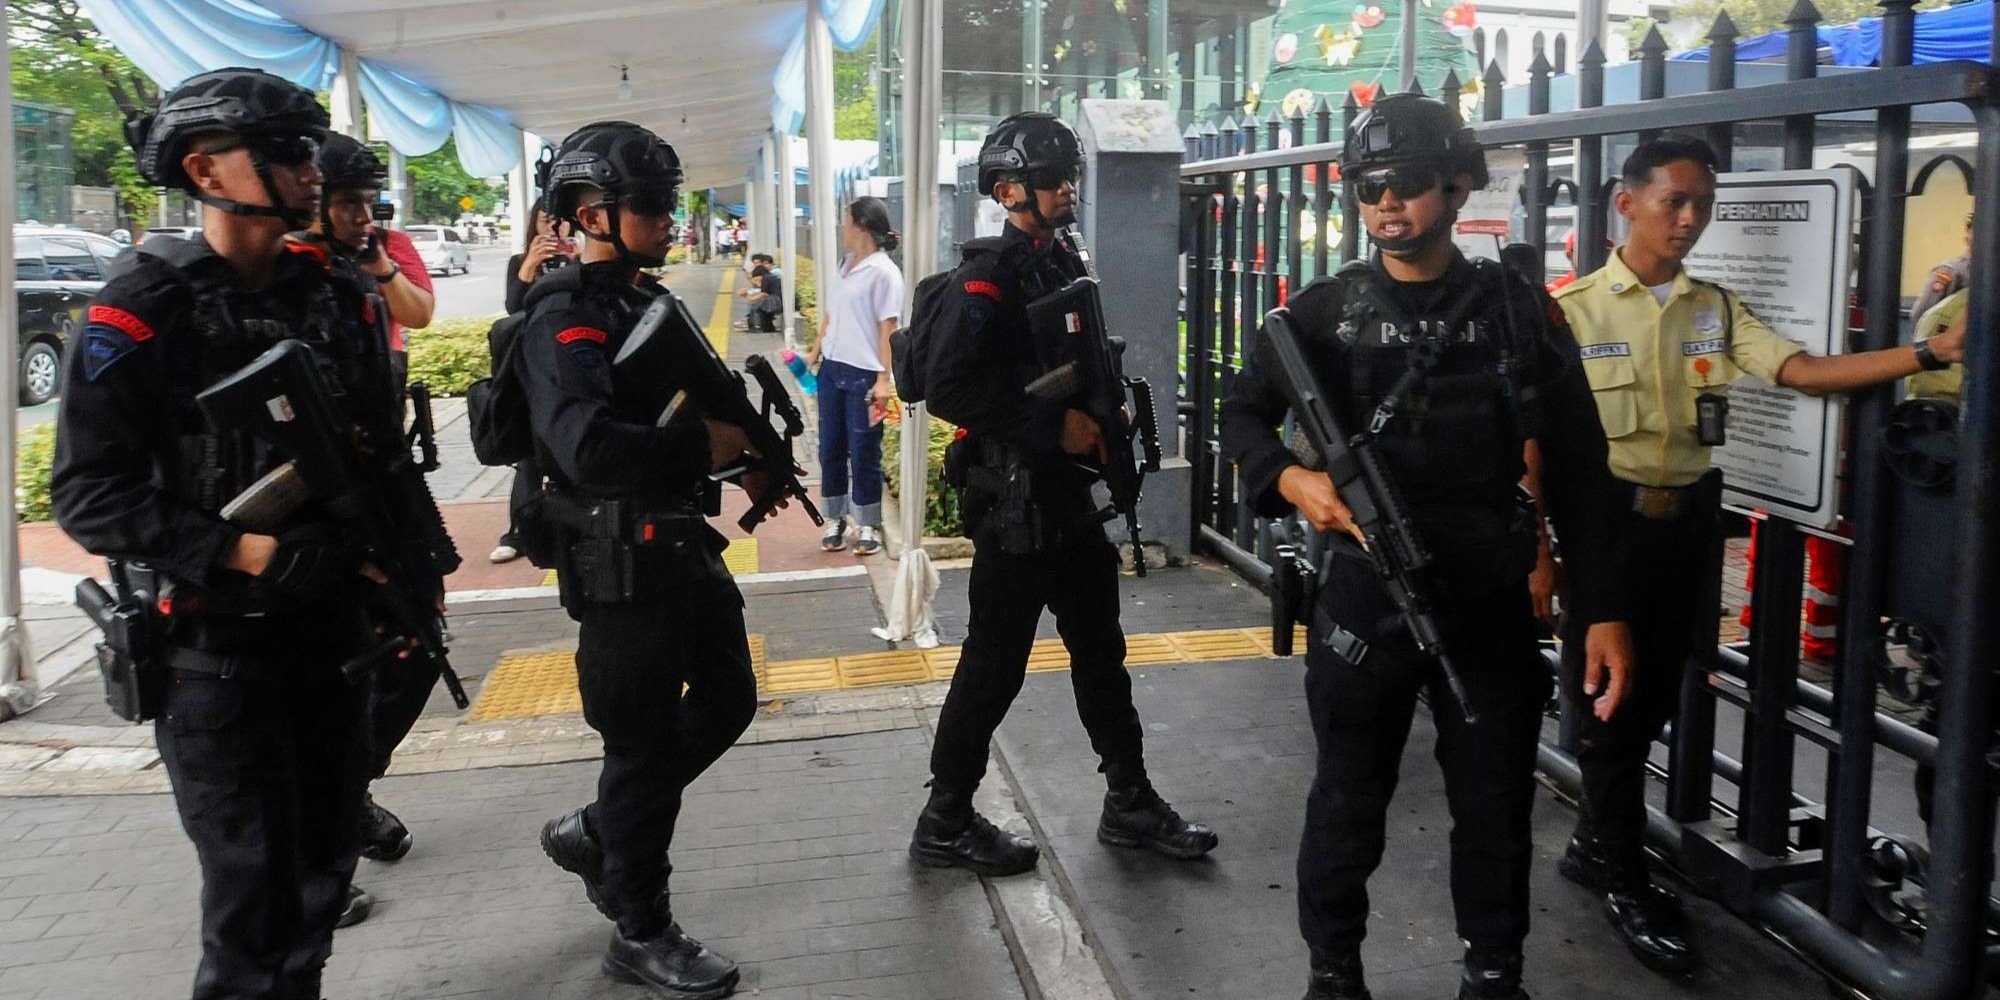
(1646, 364)
(1944, 383)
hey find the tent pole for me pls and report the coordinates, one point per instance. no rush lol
(819, 149)
(788, 234)
(18, 688)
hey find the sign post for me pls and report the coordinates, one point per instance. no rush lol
(1783, 241)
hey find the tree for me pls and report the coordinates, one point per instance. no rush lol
(1758, 17)
(854, 92)
(438, 181)
(60, 58)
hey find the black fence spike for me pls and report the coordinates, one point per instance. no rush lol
(1540, 66)
(1723, 27)
(1803, 12)
(1655, 44)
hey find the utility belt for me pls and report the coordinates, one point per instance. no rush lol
(1670, 503)
(1007, 502)
(604, 543)
(151, 628)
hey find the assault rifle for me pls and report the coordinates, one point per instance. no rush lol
(1362, 480)
(1090, 374)
(668, 346)
(423, 427)
(379, 499)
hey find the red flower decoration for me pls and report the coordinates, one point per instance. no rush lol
(1367, 15)
(1365, 92)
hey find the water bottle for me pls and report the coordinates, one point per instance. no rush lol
(808, 382)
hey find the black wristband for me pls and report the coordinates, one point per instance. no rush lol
(391, 276)
(1928, 359)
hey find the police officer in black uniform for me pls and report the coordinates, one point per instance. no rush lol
(349, 173)
(680, 620)
(1026, 505)
(1493, 366)
(261, 735)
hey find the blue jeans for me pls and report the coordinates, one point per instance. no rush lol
(845, 436)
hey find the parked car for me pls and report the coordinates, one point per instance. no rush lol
(441, 249)
(56, 273)
(177, 232)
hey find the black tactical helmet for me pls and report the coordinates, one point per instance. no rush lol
(245, 102)
(1401, 128)
(344, 162)
(1024, 143)
(619, 158)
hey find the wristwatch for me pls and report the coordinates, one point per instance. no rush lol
(1928, 359)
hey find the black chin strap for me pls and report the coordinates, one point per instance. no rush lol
(1411, 245)
(625, 255)
(294, 217)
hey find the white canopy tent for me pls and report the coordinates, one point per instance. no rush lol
(704, 74)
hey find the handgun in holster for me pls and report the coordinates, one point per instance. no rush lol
(596, 557)
(1014, 521)
(129, 659)
(1294, 587)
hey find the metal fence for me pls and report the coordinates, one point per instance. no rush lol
(1879, 909)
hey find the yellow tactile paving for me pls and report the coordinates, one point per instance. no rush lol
(549, 578)
(896, 666)
(794, 676)
(1218, 644)
(526, 684)
(1049, 654)
(741, 556)
(1142, 650)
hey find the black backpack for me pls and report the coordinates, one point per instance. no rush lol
(909, 347)
(497, 407)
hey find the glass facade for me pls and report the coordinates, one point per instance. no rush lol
(43, 163)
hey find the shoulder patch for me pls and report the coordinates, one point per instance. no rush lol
(986, 288)
(585, 346)
(121, 320)
(103, 345)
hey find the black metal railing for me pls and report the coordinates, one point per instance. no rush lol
(1265, 221)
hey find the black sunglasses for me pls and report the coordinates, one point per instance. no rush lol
(1407, 182)
(651, 200)
(1051, 178)
(283, 150)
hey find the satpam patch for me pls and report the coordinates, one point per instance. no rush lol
(103, 345)
(1694, 347)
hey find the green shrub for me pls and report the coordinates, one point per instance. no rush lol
(805, 285)
(450, 354)
(34, 461)
(942, 517)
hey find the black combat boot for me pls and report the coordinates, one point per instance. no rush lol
(383, 836)
(1136, 816)
(569, 842)
(669, 961)
(1491, 974)
(1653, 927)
(359, 905)
(950, 834)
(1587, 864)
(1336, 975)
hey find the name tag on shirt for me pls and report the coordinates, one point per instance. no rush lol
(1617, 350)
(1694, 347)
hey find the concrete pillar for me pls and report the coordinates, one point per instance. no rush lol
(1131, 208)
(819, 149)
(346, 98)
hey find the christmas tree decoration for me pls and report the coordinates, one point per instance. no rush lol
(1285, 48)
(1356, 47)
(1297, 103)
(1461, 20)
(1252, 99)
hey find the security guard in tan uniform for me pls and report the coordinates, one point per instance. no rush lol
(1660, 349)
(1946, 317)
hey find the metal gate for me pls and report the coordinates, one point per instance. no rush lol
(1879, 909)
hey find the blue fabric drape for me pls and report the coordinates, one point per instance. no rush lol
(1961, 32)
(849, 23)
(171, 40)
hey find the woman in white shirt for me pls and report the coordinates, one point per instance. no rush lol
(861, 309)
